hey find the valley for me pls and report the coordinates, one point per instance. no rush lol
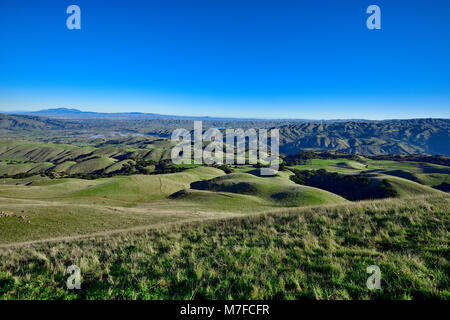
(114, 203)
(70, 190)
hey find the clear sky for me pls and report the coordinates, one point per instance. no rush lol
(235, 58)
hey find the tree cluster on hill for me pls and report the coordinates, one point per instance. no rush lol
(305, 157)
(138, 166)
(225, 168)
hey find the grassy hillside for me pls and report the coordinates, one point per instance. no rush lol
(220, 201)
(120, 176)
(405, 187)
(361, 186)
(424, 173)
(278, 189)
(142, 188)
(91, 165)
(107, 157)
(66, 207)
(313, 253)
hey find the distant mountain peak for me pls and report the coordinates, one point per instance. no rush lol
(59, 110)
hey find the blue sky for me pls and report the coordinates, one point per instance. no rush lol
(233, 58)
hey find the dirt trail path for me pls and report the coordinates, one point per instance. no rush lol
(205, 216)
(117, 231)
(109, 199)
(42, 199)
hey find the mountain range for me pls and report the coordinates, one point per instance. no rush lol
(75, 114)
(366, 137)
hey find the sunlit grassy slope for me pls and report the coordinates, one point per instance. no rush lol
(31, 157)
(64, 207)
(142, 188)
(314, 253)
(68, 206)
(424, 173)
(405, 187)
(278, 190)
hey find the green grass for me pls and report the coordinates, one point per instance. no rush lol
(347, 166)
(56, 220)
(119, 165)
(91, 165)
(426, 174)
(313, 253)
(135, 188)
(67, 207)
(36, 157)
(17, 168)
(433, 179)
(221, 201)
(144, 188)
(37, 151)
(344, 166)
(64, 167)
(278, 190)
(407, 188)
(44, 189)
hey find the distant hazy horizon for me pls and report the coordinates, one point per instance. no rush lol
(61, 109)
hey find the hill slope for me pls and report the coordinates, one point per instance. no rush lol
(313, 253)
(279, 189)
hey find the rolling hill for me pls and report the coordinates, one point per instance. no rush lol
(29, 157)
(278, 190)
